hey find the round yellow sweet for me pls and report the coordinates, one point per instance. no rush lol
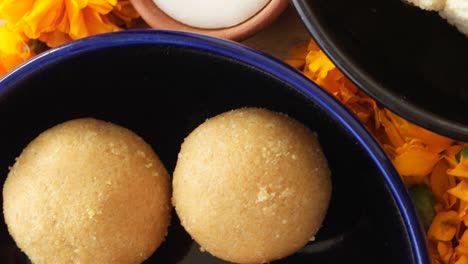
(87, 191)
(251, 185)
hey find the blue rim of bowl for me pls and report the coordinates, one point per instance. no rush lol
(396, 103)
(265, 63)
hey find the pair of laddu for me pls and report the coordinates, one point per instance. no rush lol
(250, 186)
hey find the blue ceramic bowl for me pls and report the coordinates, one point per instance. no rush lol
(163, 84)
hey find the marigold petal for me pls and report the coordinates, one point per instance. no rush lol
(78, 27)
(462, 260)
(43, 17)
(391, 130)
(319, 64)
(414, 160)
(465, 220)
(55, 38)
(440, 181)
(14, 10)
(125, 11)
(450, 154)
(49, 20)
(445, 250)
(14, 49)
(444, 226)
(450, 200)
(462, 247)
(98, 24)
(460, 190)
(433, 252)
(462, 209)
(435, 142)
(461, 170)
(332, 83)
(103, 7)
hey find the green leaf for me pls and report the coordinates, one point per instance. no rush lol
(423, 200)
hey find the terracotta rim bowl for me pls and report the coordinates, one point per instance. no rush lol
(158, 19)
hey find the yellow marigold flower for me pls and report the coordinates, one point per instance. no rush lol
(14, 49)
(58, 21)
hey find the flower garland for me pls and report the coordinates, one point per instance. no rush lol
(433, 167)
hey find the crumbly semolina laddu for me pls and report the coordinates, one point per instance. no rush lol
(87, 191)
(251, 185)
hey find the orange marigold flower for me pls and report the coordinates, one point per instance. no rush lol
(14, 49)
(59, 21)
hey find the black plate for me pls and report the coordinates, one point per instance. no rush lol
(162, 85)
(412, 61)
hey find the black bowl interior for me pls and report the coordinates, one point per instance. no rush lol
(162, 92)
(412, 61)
